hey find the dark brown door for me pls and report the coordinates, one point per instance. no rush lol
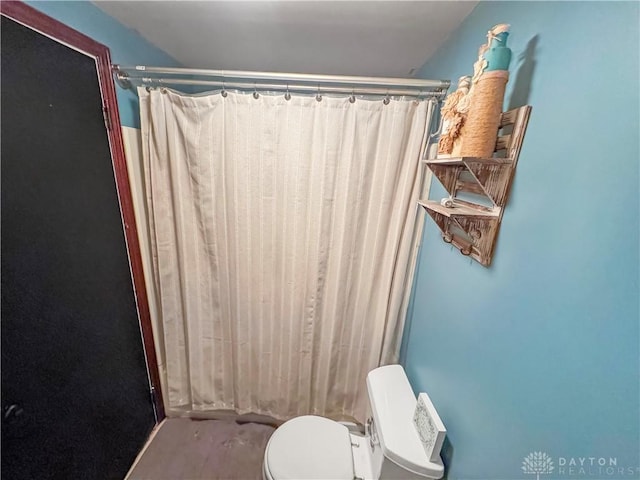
(75, 391)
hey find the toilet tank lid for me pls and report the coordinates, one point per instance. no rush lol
(393, 404)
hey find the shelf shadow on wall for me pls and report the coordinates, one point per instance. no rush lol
(521, 90)
(524, 76)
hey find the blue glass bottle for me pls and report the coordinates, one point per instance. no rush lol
(498, 56)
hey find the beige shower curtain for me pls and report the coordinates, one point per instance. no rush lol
(281, 237)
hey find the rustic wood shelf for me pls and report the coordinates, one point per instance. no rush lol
(462, 161)
(471, 227)
(475, 226)
(459, 210)
(487, 176)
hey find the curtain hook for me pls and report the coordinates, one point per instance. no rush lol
(224, 90)
(352, 98)
(386, 99)
(256, 95)
(287, 95)
(318, 96)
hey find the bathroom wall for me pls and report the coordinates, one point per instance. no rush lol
(540, 352)
(126, 45)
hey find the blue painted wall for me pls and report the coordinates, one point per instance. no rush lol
(540, 352)
(127, 47)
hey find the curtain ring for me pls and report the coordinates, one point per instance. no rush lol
(416, 101)
(256, 95)
(318, 96)
(386, 100)
(147, 88)
(287, 95)
(352, 98)
(447, 238)
(466, 251)
(163, 90)
(224, 90)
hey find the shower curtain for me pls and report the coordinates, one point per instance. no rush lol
(281, 236)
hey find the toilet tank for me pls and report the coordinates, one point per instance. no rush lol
(393, 405)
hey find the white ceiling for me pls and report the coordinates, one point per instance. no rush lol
(388, 38)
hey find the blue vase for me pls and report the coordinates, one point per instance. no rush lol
(498, 56)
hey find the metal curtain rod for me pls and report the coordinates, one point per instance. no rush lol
(144, 75)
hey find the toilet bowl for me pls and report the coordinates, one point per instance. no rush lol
(317, 448)
(309, 447)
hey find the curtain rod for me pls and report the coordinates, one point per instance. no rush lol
(145, 75)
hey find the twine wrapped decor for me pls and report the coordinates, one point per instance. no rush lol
(453, 115)
(478, 135)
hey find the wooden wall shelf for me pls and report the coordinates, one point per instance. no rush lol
(489, 176)
(460, 210)
(463, 161)
(473, 227)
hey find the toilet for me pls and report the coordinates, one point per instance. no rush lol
(402, 440)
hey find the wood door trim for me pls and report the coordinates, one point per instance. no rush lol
(38, 21)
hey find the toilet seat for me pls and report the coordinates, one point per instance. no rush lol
(307, 448)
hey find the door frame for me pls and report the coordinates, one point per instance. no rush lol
(61, 33)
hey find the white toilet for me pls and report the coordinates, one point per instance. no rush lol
(316, 448)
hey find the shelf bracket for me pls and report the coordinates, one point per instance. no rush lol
(492, 179)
